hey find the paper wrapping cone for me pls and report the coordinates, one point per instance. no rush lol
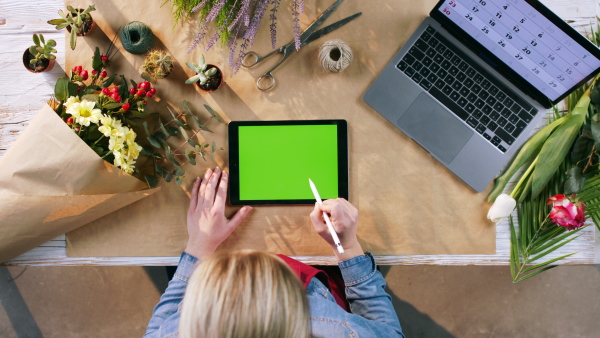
(51, 182)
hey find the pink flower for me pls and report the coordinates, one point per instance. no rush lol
(566, 213)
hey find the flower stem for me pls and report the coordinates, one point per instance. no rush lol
(516, 191)
(98, 140)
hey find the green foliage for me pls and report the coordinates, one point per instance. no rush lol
(42, 49)
(188, 150)
(78, 19)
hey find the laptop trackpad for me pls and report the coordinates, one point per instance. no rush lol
(436, 129)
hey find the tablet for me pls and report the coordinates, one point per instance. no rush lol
(270, 162)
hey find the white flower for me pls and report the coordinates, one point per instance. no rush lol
(130, 137)
(71, 100)
(116, 143)
(502, 207)
(84, 113)
(111, 126)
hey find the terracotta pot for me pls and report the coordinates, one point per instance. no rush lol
(220, 83)
(27, 57)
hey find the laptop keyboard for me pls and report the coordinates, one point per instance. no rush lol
(469, 91)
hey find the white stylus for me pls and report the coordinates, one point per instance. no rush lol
(334, 235)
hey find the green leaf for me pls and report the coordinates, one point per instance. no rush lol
(179, 180)
(533, 274)
(97, 60)
(192, 142)
(595, 127)
(212, 150)
(514, 249)
(36, 40)
(178, 171)
(123, 90)
(526, 153)
(212, 112)
(190, 156)
(57, 22)
(147, 150)
(140, 114)
(109, 81)
(574, 182)
(92, 98)
(555, 149)
(73, 38)
(171, 158)
(164, 130)
(192, 79)
(133, 83)
(168, 177)
(145, 124)
(191, 66)
(112, 105)
(61, 89)
(582, 147)
(151, 180)
(153, 141)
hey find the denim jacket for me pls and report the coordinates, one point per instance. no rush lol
(372, 312)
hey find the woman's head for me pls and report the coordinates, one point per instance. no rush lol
(244, 294)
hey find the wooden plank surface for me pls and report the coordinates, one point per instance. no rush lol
(23, 93)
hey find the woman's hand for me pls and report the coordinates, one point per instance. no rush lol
(206, 222)
(344, 218)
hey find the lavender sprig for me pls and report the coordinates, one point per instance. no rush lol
(273, 25)
(296, 20)
(256, 19)
(241, 13)
(215, 11)
(199, 6)
(199, 37)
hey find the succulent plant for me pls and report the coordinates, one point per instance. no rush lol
(158, 64)
(202, 74)
(75, 18)
(42, 49)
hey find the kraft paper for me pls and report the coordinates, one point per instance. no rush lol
(409, 203)
(51, 183)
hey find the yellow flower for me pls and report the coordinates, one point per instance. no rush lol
(130, 137)
(71, 100)
(84, 112)
(111, 126)
(115, 143)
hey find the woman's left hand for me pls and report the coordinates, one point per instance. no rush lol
(206, 222)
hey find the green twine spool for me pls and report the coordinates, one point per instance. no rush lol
(137, 37)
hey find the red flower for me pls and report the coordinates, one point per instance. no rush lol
(566, 213)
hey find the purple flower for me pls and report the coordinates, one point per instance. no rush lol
(273, 26)
(241, 13)
(296, 14)
(214, 39)
(200, 5)
(215, 11)
(199, 37)
(258, 15)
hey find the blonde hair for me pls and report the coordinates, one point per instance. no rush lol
(244, 294)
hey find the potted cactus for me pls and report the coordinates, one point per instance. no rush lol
(39, 58)
(208, 77)
(158, 64)
(77, 21)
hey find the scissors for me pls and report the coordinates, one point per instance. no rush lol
(308, 36)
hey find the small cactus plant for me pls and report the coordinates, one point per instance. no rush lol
(76, 20)
(202, 75)
(158, 64)
(42, 49)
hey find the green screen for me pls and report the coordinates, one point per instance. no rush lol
(276, 161)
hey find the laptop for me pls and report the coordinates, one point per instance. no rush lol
(473, 81)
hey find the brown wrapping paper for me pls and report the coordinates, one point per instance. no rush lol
(51, 183)
(408, 202)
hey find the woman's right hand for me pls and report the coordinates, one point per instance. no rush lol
(344, 218)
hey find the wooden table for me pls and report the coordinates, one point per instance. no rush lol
(22, 94)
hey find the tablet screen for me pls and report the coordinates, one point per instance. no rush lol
(271, 161)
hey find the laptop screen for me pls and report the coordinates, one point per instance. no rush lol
(527, 39)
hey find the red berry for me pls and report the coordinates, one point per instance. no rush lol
(106, 91)
(145, 103)
(104, 58)
(153, 91)
(84, 75)
(78, 89)
(103, 73)
(140, 93)
(70, 120)
(132, 91)
(145, 85)
(149, 93)
(115, 89)
(77, 69)
(126, 107)
(94, 72)
(77, 128)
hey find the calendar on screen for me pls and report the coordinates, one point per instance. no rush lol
(525, 40)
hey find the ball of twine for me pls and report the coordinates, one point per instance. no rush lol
(137, 37)
(335, 55)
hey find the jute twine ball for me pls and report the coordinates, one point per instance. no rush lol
(335, 55)
(137, 37)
